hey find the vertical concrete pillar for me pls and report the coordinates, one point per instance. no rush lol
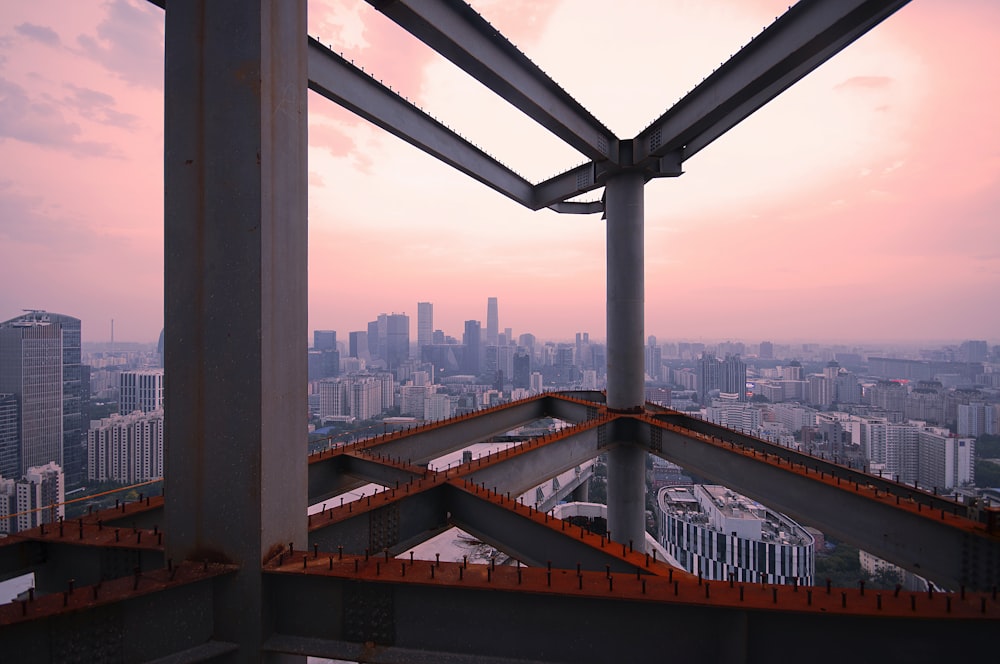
(626, 462)
(235, 294)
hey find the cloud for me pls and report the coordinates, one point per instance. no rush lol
(98, 107)
(29, 222)
(335, 141)
(39, 33)
(129, 43)
(42, 123)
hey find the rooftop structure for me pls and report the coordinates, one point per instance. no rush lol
(715, 532)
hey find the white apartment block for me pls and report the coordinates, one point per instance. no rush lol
(126, 448)
(35, 499)
(140, 390)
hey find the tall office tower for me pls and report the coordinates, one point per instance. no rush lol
(10, 457)
(126, 448)
(708, 376)
(357, 345)
(373, 340)
(323, 364)
(31, 370)
(653, 359)
(527, 340)
(508, 332)
(324, 340)
(766, 350)
(472, 340)
(733, 377)
(536, 383)
(23, 336)
(521, 369)
(492, 322)
(140, 390)
(397, 340)
(425, 324)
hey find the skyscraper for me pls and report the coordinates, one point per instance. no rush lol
(358, 345)
(425, 323)
(492, 322)
(324, 340)
(397, 340)
(708, 376)
(31, 370)
(472, 340)
(733, 377)
(73, 453)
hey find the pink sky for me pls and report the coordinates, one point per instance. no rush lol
(864, 203)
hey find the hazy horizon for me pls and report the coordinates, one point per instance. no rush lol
(837, 213)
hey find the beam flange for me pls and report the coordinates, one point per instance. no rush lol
(338, 80)
(456, 31)
(807, 35)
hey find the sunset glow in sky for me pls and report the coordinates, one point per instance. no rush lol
(862, 204)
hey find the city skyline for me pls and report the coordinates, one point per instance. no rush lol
(852, 225)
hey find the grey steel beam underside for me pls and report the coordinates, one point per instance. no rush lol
(799, 41)
(459, 33)
(952, 557)
(391, 621)
(923, 542)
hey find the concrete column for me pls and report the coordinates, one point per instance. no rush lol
(235, 294)
(626, 462)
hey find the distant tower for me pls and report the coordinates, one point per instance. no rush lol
(472, 340)
(324, 340)
(733, 377)
(708, 376)
(492, 322)
(397, 340)
(425, 323)
(766, 350)
(40, 365)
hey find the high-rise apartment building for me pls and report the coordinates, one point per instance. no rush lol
(976, 419)
(425, 324)
(492, 321)
(126, 448)
(35, 499)
(140, 390)
(708, 376)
